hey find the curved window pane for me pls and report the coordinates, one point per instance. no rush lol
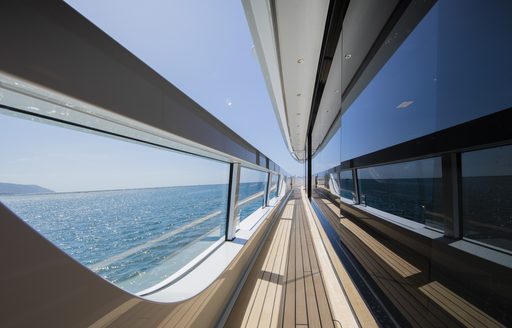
(412, 190)
(486, 196)
(132, 213)
(251, 191)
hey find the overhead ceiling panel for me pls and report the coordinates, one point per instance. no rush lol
(300, 30)
(261, 23)
(288, 39)
(289, 58)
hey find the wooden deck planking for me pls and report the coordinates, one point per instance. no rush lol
(289, 299)
(323, 302)
(300, 286)
(272, 289)
(266, 273)
(286, 288)
(246, 299)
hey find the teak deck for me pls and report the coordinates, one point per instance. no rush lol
(285, 287)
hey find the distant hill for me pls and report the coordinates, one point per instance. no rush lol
(19, 189)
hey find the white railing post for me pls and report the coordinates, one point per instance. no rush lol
(234, 185)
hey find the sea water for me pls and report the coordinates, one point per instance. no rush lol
(134, 238)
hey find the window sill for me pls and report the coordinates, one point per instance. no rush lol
(410, 225)
(208, 266)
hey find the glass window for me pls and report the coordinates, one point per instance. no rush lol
(132, 213)
(328, 156)
(347, 185)
(412, 190)
(447, 72)
(487, 196)
(272, 191)
(251, 191)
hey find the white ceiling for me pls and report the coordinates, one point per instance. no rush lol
(290, 64)
(288, 39)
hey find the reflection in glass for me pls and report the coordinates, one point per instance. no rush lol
(251, 192)
(347, 185)
(487, 196)
(273, 188)
(132, 213)
(436, 78)
(412, 190)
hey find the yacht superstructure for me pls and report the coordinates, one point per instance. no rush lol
(399, 112)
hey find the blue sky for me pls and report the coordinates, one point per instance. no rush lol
(67, 159)
(64, 159)
(205, 49)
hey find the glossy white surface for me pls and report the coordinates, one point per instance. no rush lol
(201, 277)
(259, 17)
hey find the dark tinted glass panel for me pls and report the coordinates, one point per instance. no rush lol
(487, 196)
(328, 157)
(411, 190)
(251, 191)
(347, 185)
(455, 66)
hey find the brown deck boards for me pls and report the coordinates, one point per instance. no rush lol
(285, 287)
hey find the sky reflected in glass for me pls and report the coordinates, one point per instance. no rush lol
(454, 67)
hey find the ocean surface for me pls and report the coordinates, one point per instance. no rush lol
(134, 238)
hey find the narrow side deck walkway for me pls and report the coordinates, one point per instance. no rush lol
(286, 287)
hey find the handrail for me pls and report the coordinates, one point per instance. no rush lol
(165, 236)
(250, 198)
(151, 242)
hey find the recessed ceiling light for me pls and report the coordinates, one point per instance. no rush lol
(348, 56)
(405, 104)
(300, 60)
(337, 91)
